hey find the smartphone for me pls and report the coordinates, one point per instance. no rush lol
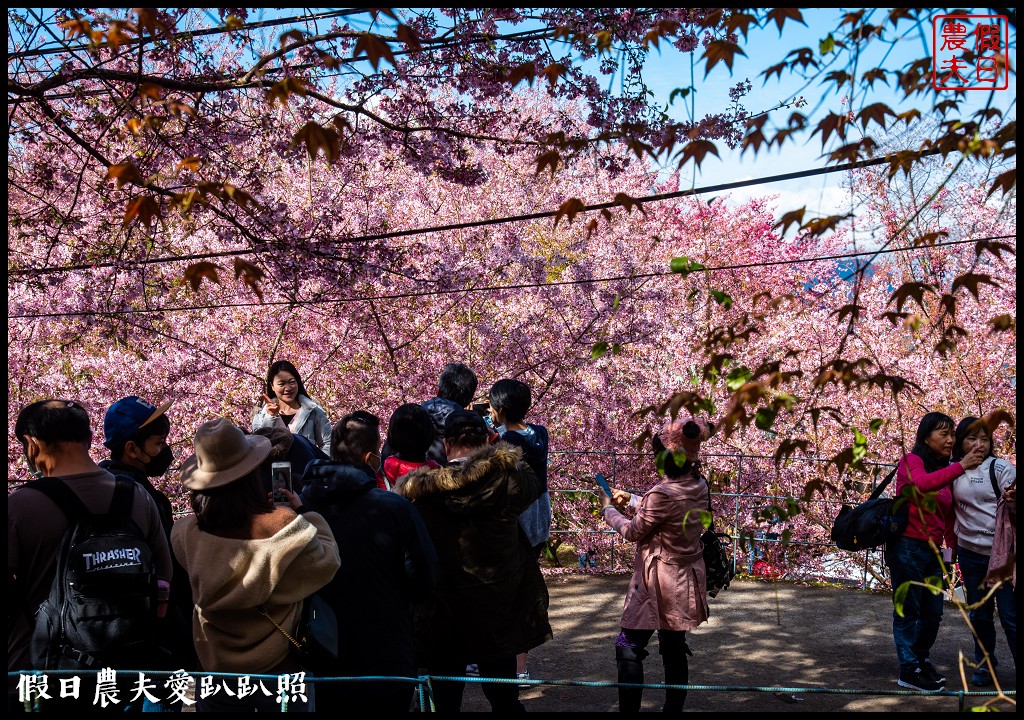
(601, 483)
(482, 409)
(281, 479)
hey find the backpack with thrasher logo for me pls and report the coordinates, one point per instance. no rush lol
(101, 610)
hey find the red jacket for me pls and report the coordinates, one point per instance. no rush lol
(394, 468)
(922, 524)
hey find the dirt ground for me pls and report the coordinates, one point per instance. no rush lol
(760, 634)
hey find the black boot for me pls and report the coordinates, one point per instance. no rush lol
(677, 672)
(630, 662)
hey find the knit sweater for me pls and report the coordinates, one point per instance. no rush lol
(233, 577)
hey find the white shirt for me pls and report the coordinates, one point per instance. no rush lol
(975, 503)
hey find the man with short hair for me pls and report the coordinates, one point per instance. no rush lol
(455, 390)
(387, 564)
(56, 436)
(491, 601)
(135, 431)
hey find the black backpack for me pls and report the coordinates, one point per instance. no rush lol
(101, 610)
(718, 567)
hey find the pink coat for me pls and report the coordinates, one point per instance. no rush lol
(668, 590)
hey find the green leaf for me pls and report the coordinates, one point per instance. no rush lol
(616, 348)
(615, 302)
(786, 400)
(875, 425)
(899, 597)
(934, 584)
(765, 418)
(659, 462)
(827, 45)
(706, 518)
(681, 92)
(684, 266)
(598, 350)
(723, 299)
(737, 377)
(679, 458)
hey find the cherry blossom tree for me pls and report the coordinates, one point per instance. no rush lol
(186, 206)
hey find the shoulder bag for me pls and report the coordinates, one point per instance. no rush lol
(874, 522)
(315, 643)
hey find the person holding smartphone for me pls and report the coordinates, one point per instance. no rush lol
(668, 592)
(250, 564)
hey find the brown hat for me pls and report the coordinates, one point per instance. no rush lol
(223, 454)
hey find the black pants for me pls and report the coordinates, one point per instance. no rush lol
(630, 652)
(504, 697)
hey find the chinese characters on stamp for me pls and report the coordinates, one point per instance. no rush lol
(970, 52)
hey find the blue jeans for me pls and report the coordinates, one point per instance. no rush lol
(914, 633)
(974, 567)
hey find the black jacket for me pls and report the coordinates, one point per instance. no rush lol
(387, 563)
(491, 600)
(535, 450)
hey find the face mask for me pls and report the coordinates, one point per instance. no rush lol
(159, 463)
(374, 461)
(32, 469)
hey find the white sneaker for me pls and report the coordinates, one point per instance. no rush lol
(524, 676)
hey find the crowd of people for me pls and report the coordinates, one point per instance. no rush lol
(424, 543)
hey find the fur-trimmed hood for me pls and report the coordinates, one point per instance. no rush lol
(465, 480)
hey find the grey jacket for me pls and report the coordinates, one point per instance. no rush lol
(310, 422)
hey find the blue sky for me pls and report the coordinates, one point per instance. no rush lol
(765, 48)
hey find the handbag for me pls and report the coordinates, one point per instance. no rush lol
(874, 522)
(315, 643)
(717, 564)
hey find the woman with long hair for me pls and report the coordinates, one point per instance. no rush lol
(285, 396)
(976, 494)
(250, 564)
(913, 556)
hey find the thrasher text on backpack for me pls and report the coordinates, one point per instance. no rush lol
(101, 610)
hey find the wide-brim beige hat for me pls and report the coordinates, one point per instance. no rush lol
(223, 454)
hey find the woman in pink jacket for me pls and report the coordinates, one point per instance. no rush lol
(668, 590)
(912, 559)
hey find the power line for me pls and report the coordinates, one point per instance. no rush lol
(493, 221)
(493, 288)
(192, 33)
(427, 45)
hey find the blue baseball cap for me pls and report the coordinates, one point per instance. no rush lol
(126, 416)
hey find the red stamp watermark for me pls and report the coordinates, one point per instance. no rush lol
(970, 52)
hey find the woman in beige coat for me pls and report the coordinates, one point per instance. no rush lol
(668, 590)
(250, 565)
